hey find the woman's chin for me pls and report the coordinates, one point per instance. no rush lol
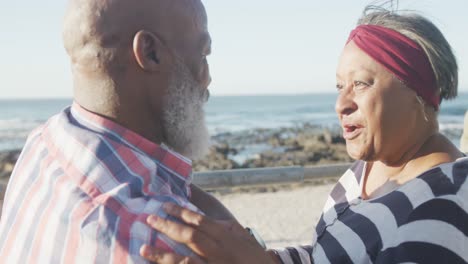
(356, 152)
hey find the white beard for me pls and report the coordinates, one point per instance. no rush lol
(184, 118)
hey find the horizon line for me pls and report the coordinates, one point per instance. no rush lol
(215, 95)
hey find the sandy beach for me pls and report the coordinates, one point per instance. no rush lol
(283, 218)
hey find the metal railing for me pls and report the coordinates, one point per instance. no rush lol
(263, 176)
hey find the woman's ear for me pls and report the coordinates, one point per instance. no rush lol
(149, 51)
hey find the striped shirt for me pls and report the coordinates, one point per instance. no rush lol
(422, 221)
(81, 192)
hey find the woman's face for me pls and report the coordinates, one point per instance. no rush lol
(380, 116)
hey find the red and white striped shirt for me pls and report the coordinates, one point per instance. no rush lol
(81, 192)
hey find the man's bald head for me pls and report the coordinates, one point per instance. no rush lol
(98, 34)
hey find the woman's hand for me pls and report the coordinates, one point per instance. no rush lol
(214, 241)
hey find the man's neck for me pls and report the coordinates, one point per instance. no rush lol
(128, 116)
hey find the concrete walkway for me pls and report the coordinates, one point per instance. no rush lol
(282, 218)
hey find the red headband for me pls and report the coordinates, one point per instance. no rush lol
(401, 56)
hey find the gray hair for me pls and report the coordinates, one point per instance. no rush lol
(427, 35)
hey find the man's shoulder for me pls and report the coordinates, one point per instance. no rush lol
(128, 226)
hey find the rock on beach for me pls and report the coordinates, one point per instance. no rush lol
(302, 146)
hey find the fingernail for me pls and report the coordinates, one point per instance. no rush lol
(152, 220)
(168, 207)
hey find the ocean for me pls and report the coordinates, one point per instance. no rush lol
(224, 114)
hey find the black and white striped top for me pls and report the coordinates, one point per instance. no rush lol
(422, 221)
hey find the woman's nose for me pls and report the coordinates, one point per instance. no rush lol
(345, 103)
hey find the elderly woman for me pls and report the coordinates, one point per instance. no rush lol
(406, 198)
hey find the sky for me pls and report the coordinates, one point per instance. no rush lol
(259, 46)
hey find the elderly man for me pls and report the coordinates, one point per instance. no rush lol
(87, 179)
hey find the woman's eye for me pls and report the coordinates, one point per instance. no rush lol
(359, 84)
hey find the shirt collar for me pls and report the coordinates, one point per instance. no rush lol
(171, 159)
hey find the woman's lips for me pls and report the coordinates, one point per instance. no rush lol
(351, 132)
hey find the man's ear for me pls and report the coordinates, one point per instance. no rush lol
(149, 51)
